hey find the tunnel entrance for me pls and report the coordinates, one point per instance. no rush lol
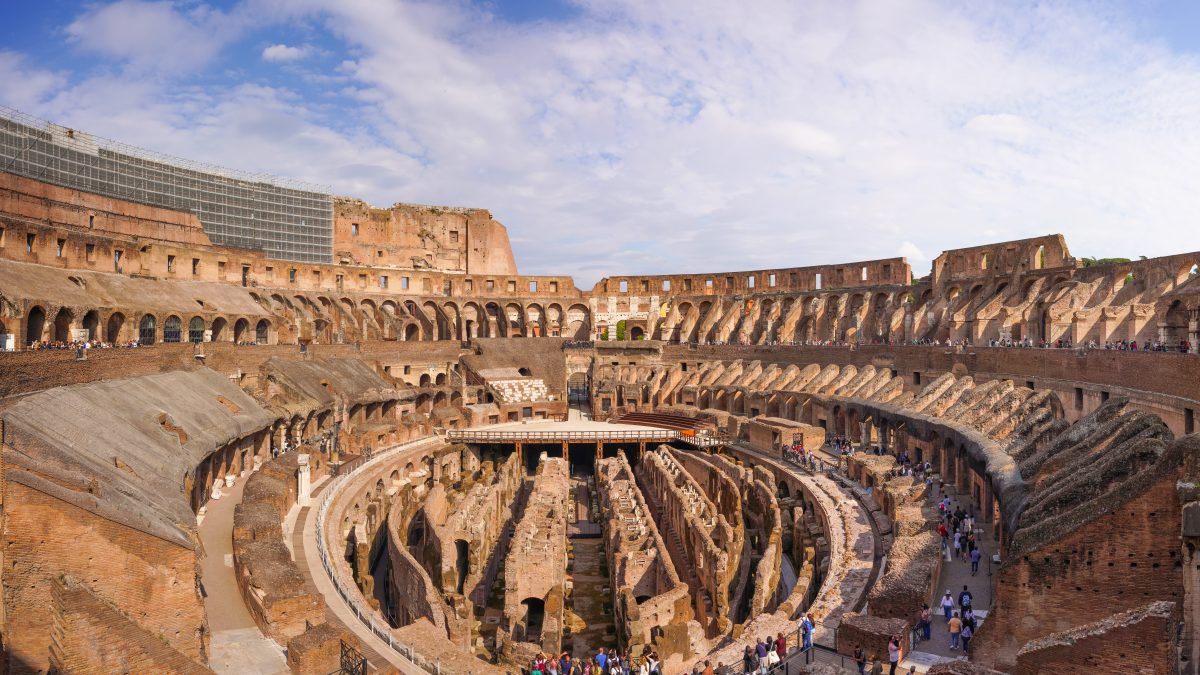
(582, 459)
(535, 613)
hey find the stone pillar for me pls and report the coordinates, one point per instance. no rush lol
(302, 480)
(1194, 332)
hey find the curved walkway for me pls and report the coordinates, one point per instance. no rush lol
(236, 644)
(305, 551)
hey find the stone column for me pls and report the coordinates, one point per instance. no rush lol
(302, 480)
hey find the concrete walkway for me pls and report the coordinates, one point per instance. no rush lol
(308, 558)
(954, 575)
(236, 644)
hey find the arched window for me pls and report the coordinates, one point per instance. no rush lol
(172, 328)
(261, 330)
(195, 329)
(146, 330)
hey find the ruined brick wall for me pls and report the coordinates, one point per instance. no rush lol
(1139, 641)
(270, 582)
(91, 636)
(1126, 557)
(872, 633)
(152, 581)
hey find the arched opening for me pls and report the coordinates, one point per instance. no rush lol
(462, 564)
(172, 328)
(116, 322)
(424, 381)
(218, 328)
(636, 333)
(35, 323)
(533, 617)
(261, 331)
(196, 330)
(440, 380)
(62, 325)
(91, 323)
(146, 329)
(524, 372)
(412, 332)
(239, 331)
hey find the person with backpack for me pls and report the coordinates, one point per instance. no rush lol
(964, 599)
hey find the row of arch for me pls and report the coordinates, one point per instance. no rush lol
(117, 328)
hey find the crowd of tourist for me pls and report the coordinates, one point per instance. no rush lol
(89, 344)
(604, 662)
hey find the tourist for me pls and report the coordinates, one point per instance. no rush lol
(893, 654)
(876, 665)
(749, 663)
(975, 556)
(565, 666)
(860, 659)
(924, 623)
(708, 669)
(967, 634)
(954, 626)
(947, 604)
(760, 651)
(964, 599)
(602, 660)
(807, 627)
(781, 646)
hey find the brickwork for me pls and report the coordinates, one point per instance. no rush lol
(1141, 640)
(43, 541)
(90, 636)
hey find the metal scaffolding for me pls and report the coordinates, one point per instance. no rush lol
(284, 219)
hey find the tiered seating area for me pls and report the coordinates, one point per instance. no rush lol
(665, 421)
(517, 391)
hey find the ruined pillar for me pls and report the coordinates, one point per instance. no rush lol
(302, 480)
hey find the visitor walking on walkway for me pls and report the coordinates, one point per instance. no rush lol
(955, 628)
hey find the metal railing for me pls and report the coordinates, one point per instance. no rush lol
(352, 597)
(483, 436)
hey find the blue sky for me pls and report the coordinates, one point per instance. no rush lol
(624, 136)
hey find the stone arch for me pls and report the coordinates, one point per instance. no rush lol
(35, 323)
(514, 318)
(218, 328)
(116, 322)
(147, 328)
(172, 329)
(262, 332)
(241, 328)
(535, 320)
(91, 323)
(196, 329)
(577, 322)
(62, 325)
(495, 318)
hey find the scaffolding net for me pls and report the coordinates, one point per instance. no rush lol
(283, 219)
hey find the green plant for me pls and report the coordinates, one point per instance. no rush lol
(621, 329)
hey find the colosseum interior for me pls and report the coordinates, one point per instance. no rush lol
(365, 443)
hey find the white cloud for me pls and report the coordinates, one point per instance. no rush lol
(149, 35)
(709, 136)
(284, 53)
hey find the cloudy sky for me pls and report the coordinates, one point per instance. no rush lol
(644, 136)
